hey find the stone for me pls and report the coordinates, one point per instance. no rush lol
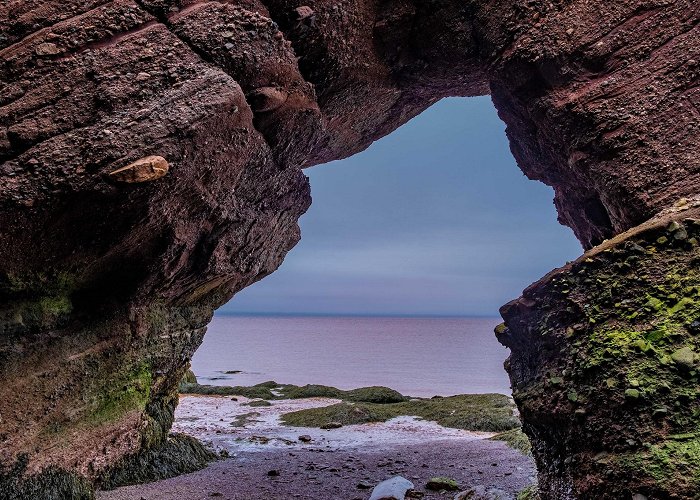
(442, 483)
(146, 169)
(632, 393)
(364, 485)
(331, 425)
(680, 235)
(674, 226)
(415, 494)
(47, 49)
(304, 12)
(273, 473)
(481, 492)
(305, 438)
(684, 357)
(394, 488)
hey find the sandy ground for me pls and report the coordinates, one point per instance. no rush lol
(334, 463)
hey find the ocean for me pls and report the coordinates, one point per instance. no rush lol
(420, 357)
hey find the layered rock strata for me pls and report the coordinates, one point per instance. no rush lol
(151, 168)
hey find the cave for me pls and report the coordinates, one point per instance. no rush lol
(152, 167)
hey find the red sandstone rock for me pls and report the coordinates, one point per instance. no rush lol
(101, 284)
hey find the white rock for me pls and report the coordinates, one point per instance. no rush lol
(392, 489)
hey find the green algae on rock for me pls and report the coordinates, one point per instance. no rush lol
(178, 454)
(189, 378)
(442, 484)
(619, 329)
(244, 419)
(473, 412)
(272, 390)
(516, 439)
(529, 493)
(257, 403)
(50, 483)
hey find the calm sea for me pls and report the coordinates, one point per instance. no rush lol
(416, 356)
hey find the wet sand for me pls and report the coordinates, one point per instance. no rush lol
(333, 463)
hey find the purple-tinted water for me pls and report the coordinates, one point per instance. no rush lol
(416, 356)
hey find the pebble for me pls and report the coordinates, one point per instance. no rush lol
(47, 49)
(363, 485)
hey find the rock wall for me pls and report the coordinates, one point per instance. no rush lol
(604, 365)
(112, 261)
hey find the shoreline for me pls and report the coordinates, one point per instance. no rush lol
(343, 463)
(212, 420)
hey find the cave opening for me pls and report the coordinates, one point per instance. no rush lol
(434, 220)
(407, 252)
(108, 286)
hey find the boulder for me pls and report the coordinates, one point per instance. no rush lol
(392, 489)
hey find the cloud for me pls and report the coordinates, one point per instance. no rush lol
(434, 219)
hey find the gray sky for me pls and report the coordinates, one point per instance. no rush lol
(435, 219)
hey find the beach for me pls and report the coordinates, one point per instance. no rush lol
(267, 460)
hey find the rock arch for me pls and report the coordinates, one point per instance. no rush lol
(107, 281)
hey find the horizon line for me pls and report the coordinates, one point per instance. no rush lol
(353, 315)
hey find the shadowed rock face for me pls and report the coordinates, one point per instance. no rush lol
(108, 276)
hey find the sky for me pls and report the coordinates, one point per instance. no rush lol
(434, 219)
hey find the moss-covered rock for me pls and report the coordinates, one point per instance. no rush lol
(257, 403)
(603, 366)
(52, 482)
(272, 390)
(476, 412)
(100, 390)
(374, 394)
(442, 484)
(516, 439)
(178, 454)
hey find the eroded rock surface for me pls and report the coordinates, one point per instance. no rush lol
(605, 369)
(106, 287)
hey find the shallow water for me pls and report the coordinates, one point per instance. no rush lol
(208, 418)
(416, 356)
